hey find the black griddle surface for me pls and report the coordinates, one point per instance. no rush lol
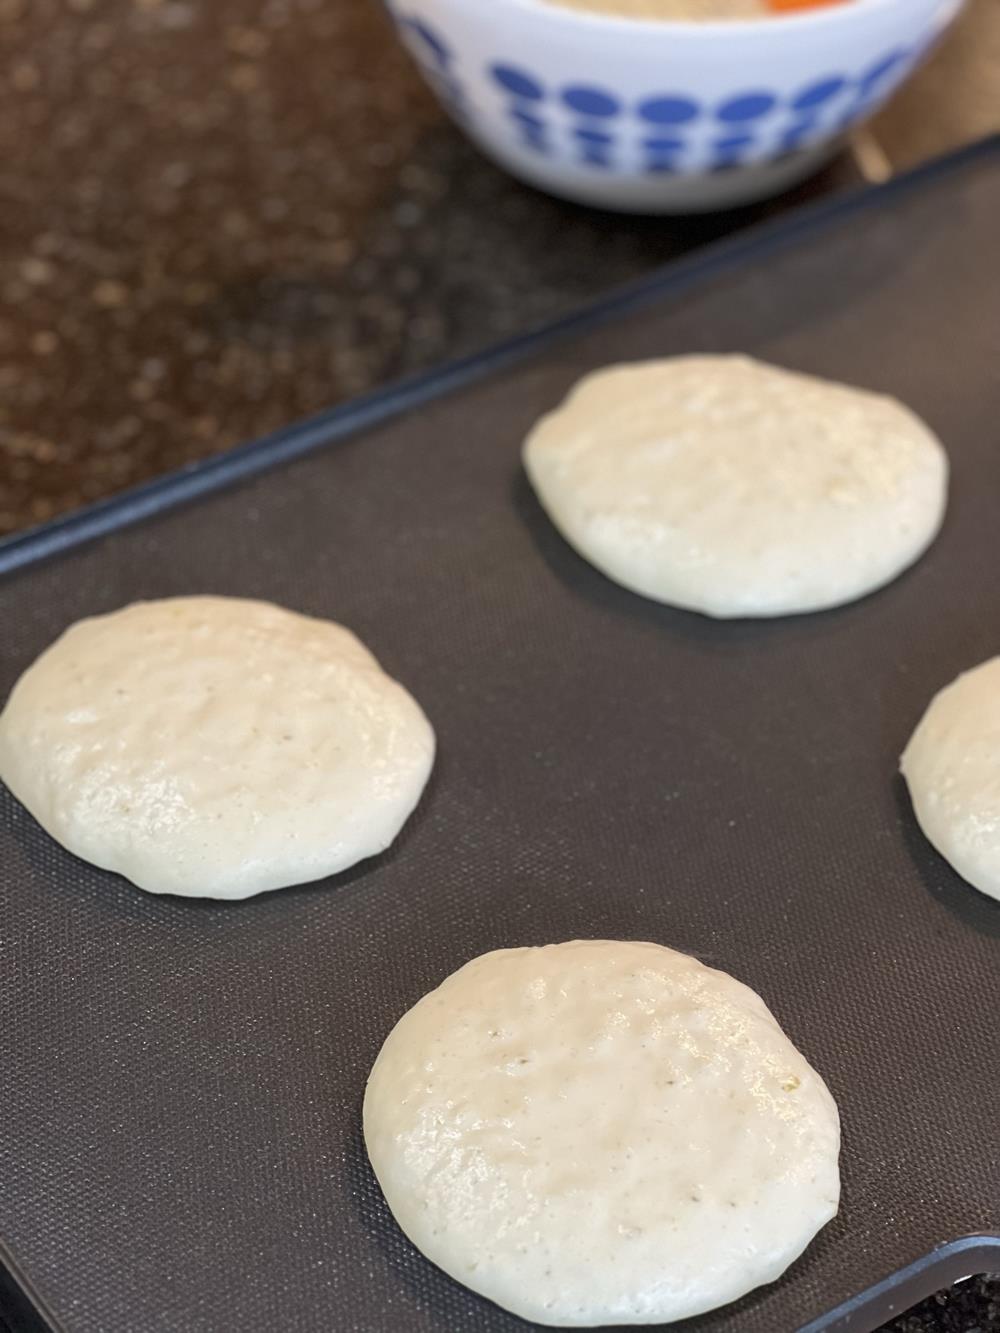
(180, 1113)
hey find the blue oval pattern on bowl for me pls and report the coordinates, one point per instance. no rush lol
(591, 122)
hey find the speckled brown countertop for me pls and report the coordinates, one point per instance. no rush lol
(218, 216)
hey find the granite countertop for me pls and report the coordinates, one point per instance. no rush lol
(219, 216)
(223, 215)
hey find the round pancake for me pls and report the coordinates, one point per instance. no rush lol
(734, 488)
(952, 768)
(601, 1133)
(214, 747)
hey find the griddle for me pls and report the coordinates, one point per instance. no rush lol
(180, 1114)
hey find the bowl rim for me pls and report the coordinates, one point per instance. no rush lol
(825, 16)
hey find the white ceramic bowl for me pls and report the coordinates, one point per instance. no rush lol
(663, 116)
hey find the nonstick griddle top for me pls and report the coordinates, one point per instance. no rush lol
(180, 1113)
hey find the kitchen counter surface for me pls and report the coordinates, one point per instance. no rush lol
(219, 216)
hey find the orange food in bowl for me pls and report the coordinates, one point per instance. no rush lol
(783, 6)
